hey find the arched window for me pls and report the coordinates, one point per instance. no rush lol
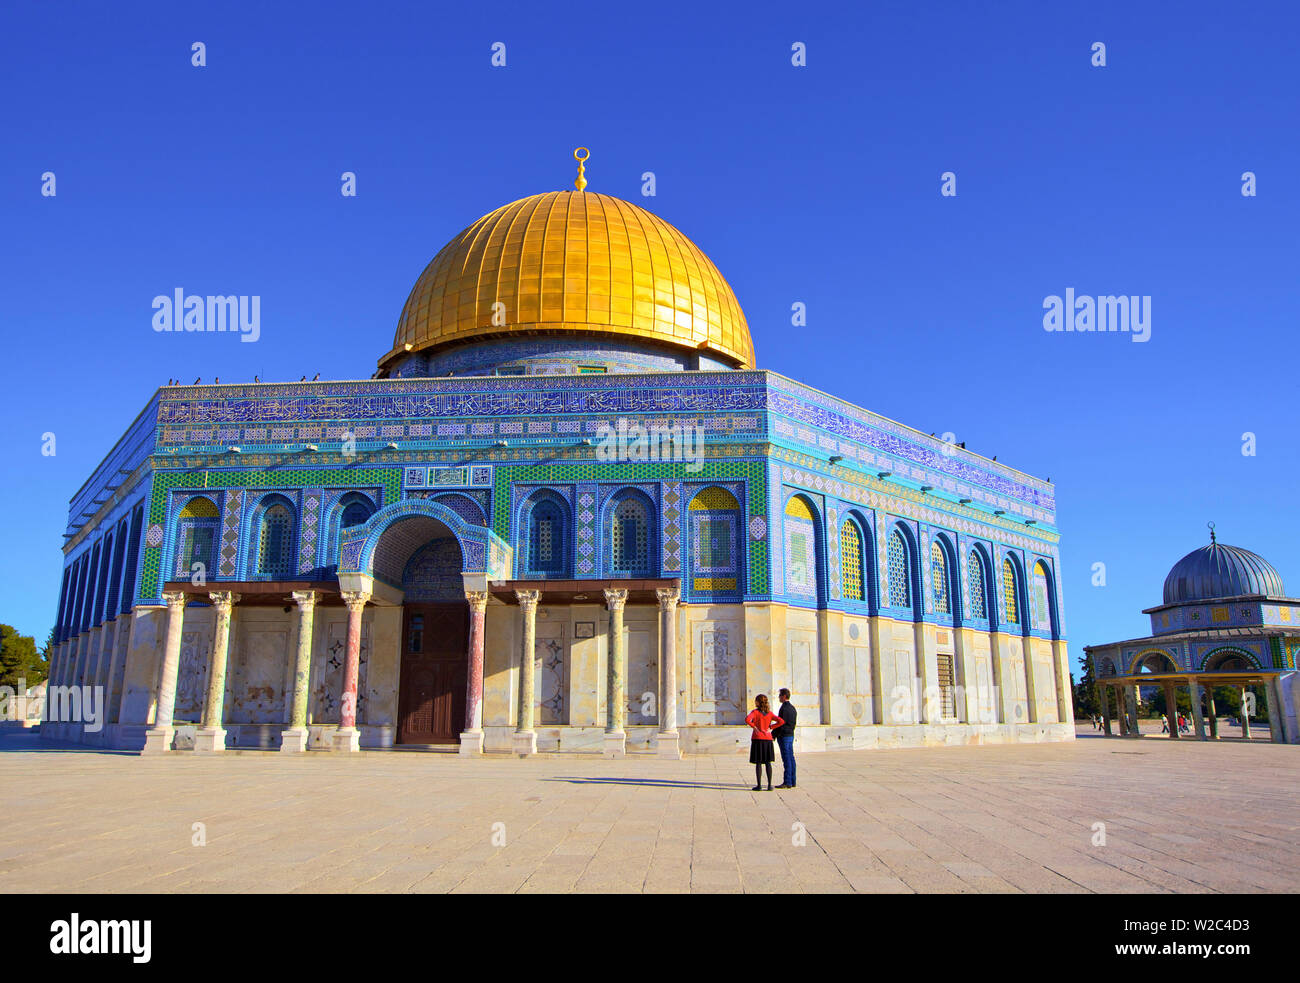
(715, 545)
(851, 562)
(197, 525)
(900, 587)
(1040, 610)
(355, 513)
(275, 545)
(1010, 596)
(978, 606)
(800, 550)
(630, 537)
(545, 538)
(939, 579)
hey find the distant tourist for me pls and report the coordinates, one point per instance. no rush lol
(785, 739)
(1164, 724)
(762, 720)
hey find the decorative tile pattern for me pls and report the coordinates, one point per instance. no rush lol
(671, 514)
(311, 513)
(230, 522)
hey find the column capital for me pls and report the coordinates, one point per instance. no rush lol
(477, 599)
(615, 598)
(223, 600)
(305, 599)
(668, 597)
(174, 598)
(528, 598)
(355, 599)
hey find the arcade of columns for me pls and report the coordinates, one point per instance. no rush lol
(211, 736)
(1126, 697)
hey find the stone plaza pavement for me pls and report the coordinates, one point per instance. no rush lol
(1180, 816)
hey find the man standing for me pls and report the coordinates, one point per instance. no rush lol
(785, 738)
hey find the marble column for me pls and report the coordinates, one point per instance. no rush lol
(294, 739)
(1130, 711)
(525, 739)
(1171, 710)
(159, 737)
(1212, 712)
(615, 676)
(1245, 712)
(1275, 711)
(1104, 692)
(669, 742)
(1198, 718)
(348, 737)
(471, 739)
(211, 737)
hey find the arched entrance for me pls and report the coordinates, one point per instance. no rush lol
(422, 555)
(432, 561)
(435, 631)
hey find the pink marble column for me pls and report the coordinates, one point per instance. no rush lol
(471, 739)
(347, 737)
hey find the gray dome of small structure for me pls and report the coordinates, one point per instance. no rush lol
(1216, 571)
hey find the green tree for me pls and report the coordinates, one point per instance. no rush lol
(1086, 700)
(19, 660)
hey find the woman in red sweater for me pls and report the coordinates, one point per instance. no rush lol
(762, 720)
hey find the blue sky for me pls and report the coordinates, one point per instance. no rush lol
(817, 184)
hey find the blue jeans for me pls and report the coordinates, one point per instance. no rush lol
(786, 746)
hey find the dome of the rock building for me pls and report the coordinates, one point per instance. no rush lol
(1216, 571)
(574, 265)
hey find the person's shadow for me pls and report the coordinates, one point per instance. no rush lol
(660, 782)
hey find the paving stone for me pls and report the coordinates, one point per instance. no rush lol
(1185, 817)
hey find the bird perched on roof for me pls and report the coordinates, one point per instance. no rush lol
(304, 377)
(257, 379)
(316, 377)
(198, 380)
(216, 380)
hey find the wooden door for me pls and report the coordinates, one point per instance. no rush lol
(431, 696)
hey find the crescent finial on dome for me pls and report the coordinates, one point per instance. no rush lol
(581, 182)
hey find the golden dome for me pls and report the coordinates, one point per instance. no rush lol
(574, 261)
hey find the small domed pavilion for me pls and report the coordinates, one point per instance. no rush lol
(1225, 621)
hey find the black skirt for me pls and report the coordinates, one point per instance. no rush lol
(760, 752)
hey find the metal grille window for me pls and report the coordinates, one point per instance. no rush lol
(715, 535)
(939, 578)
(947, 686)
(545, 538)
(198, 548)
(851, 562)
(275, 551)
(900, 592)
(630, 538)
(1010, 599)
(976, 573)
